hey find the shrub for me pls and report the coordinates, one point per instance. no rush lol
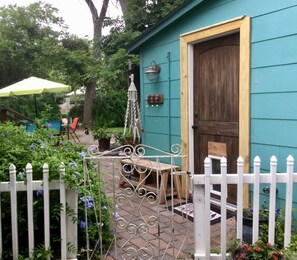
(25, 104)
(21, 147)
(108, 110)
(258, 250)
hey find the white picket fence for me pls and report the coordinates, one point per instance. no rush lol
(67, 197)
(202, 187)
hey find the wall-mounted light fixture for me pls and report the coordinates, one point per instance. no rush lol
(153, 71)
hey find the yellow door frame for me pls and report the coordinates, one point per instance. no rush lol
(187, 41)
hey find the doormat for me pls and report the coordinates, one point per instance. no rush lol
(187, 210)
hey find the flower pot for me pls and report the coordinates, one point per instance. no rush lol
(247, 229)
(129, 140)
(104, 144)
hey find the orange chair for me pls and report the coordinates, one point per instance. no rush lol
(71, 129)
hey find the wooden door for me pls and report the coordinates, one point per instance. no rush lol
(216, 102)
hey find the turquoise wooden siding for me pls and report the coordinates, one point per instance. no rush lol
(273, 74)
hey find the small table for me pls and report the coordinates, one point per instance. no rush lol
(142, 168)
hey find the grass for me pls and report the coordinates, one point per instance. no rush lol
(115, 129)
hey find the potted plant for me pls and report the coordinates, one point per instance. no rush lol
(258, 250)
(103, 136)
(247, 221)
(126, 138)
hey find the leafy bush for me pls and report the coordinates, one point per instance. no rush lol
(109, 109)
(21, 147)
(258, 250)
(262, 249)
(77, 110)
(26, 104)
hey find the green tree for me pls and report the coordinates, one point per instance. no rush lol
(114, 71)
(74, 67)
(98, 21)
(140, 15)
(110, 51)
(27, 40)
(34, 42)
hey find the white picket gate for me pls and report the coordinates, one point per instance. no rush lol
(67, 197)
(202, 187)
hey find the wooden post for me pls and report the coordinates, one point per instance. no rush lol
(3, 115)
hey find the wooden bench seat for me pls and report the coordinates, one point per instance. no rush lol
(141, 170)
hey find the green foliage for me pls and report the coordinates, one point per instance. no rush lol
(113, 71)
(122, 138)
(291, 251)
(262, 249)
(259, 250)
(26, 105)
(113, 74)
(20, 147)
(34, 41)
(142, 14)
(42, 253)
(27, 40)
(119, 37)
(109, 109)
(77, 110)
(101, 133)
(77, 65)
(279, 231)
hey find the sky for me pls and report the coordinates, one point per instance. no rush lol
(75, 13)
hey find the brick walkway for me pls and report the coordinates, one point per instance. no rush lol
(173, 234)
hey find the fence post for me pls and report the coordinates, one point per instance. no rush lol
(13, 202)
(240, 162)
(224, 194)
(256, 201)
(71, 222)
(199, 213)
(289, 198)
(30, 209)
(207, 185)
(272, 199)
(46, 215)
(63, 213)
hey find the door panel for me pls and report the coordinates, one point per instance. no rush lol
(216, 100)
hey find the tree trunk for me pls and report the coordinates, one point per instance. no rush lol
(123, 7)
(88, 102)
(91, 85)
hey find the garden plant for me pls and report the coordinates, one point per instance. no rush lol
(262, 249)
(21, 147)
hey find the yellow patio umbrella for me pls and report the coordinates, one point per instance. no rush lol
(33, 86)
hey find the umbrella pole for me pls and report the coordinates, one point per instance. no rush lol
(35, 103)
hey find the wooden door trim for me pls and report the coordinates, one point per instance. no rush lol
(187, 41)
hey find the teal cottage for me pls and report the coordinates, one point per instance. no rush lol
(226, 83)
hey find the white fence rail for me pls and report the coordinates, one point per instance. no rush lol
(202, 188)
(67, 196)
